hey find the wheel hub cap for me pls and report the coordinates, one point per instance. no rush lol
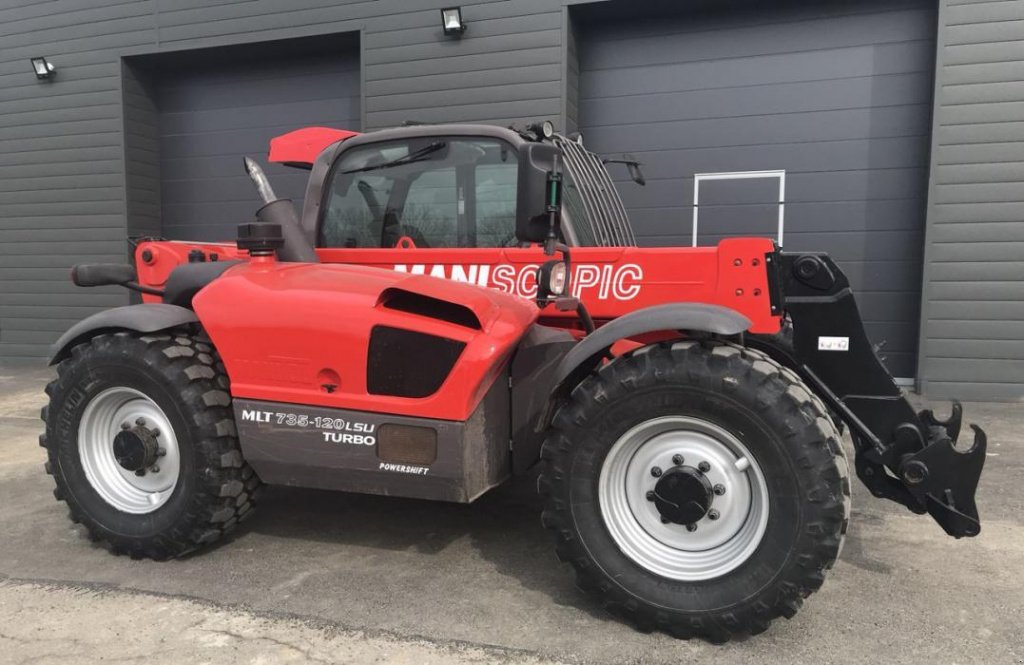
(683, 495)
(135, 449)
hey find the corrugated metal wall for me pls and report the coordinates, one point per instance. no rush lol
(836, 94)
(972, 338)
(63, 147)
(63, 198)
(233, 105)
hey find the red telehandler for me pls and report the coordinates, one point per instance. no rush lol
(457, 303)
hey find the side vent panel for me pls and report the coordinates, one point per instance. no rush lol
(421, 305)
(405, 363)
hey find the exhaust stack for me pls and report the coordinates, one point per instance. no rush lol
(297, 247)
(259, 178)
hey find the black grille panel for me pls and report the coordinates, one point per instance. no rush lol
(406, 363)
(605, 223)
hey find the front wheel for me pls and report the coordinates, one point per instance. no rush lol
(697, 488)
(142, 445)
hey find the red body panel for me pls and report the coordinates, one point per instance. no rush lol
(155, 259)
(611, 281)
(301, 147)
(281, 327)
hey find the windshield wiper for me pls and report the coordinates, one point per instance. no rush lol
(415, 156)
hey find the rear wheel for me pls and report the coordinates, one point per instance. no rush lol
(696, 488)
(142, 446)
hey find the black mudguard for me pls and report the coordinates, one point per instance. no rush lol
(138, 318)
(691, 317)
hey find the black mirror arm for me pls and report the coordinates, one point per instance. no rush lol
(635, 171)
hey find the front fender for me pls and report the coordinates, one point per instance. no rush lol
(699, 317)
(138, 318)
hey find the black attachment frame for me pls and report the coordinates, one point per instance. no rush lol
(901, 455)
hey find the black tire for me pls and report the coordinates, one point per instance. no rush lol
(182, 374)
(785, 428)
(784, 341)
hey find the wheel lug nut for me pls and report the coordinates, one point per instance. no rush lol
(704, 467)
(691, 527)
(719, 489)
(656, 471)
(664, 520)
(140, 472)
(650, 496)
(155, 431)
(140, 421)
(156, 469)
(677, 460)
(713, 515)
(125, 426)
(160, 452)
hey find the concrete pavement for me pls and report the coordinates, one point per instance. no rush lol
(347, 578)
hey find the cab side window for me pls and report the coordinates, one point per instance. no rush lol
(355, 217)
(431, 209)
(496, 204)
(435, 191)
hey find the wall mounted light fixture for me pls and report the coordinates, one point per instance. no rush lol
(451, 21)
(43, 68)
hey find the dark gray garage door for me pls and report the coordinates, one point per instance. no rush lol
(836, 95)
(214, 111)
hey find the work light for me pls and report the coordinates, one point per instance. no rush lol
(43, 68)
(552, 278)
(451, 21)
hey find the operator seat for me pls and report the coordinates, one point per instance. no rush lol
(394, 230)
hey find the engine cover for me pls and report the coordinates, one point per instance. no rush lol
(360, 338)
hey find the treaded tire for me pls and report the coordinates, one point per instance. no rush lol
(183, 375)
(786, 429)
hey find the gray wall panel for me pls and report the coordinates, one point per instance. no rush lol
(973, 313)
(209, 116)
(837, 94)
(80, 151)
(79, 167)
(141, 156)
(61, 165)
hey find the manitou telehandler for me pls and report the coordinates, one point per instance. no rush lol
(457, 303)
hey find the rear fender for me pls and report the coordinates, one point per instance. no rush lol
(585, 356)
(137, 318)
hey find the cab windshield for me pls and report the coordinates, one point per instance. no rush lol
(432, 192)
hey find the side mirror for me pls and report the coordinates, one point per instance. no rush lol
(533, 215)
(636, 174)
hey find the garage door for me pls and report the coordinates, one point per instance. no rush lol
(836, 96)
(219, 108)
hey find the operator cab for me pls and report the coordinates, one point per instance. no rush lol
(456, 186)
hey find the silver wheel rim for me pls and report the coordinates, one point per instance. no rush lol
(101, 421)
(671, 550)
